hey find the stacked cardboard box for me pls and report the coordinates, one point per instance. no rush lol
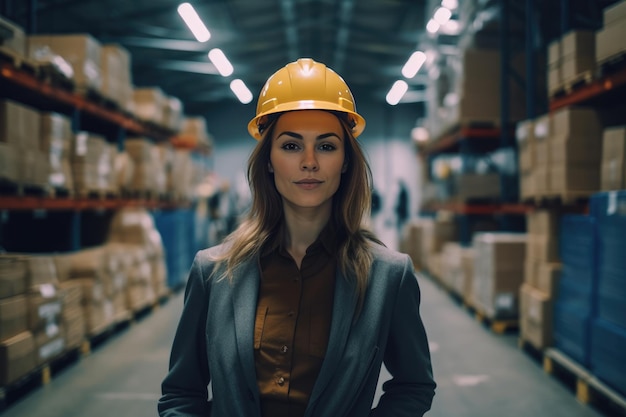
(574, 152)
(19, 136)
(45, 305)
(451, 267)
(578, 51)
(116, 75)
(173, 114)
(17, 345)
(541, 275)
(92, 164)
(55, 141)
(541, 175)
(193, 133)
(150, 104)
(135, 228)
(411, 242)
(87, 269)
(613, 171)
(611, 39)
(555, 78)
(180, 178)
(498, 273)
(148, 166)
(81, 51)
(436, 232)
(526, 144)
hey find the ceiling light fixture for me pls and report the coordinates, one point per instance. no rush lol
(398, 89)
(413, 64)
(241, 91)
(220, 61)
(193, 21)
(432, 26)
(450, 4)
(442, 15)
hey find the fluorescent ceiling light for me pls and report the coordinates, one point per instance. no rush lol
(220, 61)
(450, 4)
(452, 27)
(413, 64)
(420, 134)
(398, 89)
(193, 21)
(432, 26)
(241, 91)
(442, 15)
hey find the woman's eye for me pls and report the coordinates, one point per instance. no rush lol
(290, 146)
(327, 147)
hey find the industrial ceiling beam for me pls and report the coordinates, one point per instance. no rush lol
(291, 31)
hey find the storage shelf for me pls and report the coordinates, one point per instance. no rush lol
(479, 209)
(29, 88)
(609, 89)
(486, 137)
(29, 203)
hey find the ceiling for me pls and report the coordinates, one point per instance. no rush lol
(366, 41)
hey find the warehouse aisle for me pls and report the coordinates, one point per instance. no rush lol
(479, 373)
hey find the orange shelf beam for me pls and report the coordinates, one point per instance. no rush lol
(460, 133)
(80, 204)
(591, 91)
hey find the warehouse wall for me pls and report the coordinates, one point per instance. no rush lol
(386, 141)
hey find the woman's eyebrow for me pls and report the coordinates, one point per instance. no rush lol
(299, 136)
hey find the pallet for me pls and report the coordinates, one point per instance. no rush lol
(38, 377)
(50, 74)
(588, 388)
(611, 64)
(498, 326)
(566, 88)
(18, 61)
(11, 188)
(96, 194)
(95, 96)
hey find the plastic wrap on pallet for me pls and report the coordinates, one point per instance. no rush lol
(177, 237)
(608, 354)
(572, 332)
(578, 242)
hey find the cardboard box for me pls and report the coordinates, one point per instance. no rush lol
(610, 42)
(542, 181)
(81, 51)
(548, 278)
(574, 150)
(536, 317)
(12, 275)
(566, 178)
(19, 125)
(149, 104)
(116, 73)
(17, 357)
(614, 143)
(16, 41)
(41, 270)
(73, 326)
(577, 122)
(576, 65)
(47, 346)
(543, 222)
(467, 265)
(8, 163)
(498, 273)
(615, 14)
(578, 43)
(531, 267)
(543, 248)
(13, 316)
(527, 185)
(469, 186)
(554, 52)
(613, 175)
(411, 242)
(44, 313)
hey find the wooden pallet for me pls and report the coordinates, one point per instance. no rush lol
(18, 61)
(565, 88)
(588, 388)
(611, 64)
(498, 326)
(95, 96)
(96, 194)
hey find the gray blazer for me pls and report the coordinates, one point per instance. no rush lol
(214, 343)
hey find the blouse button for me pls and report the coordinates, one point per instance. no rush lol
(281, 381)
(284, 349)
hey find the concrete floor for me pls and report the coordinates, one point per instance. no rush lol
(479, 373)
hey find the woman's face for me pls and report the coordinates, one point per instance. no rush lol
(307, 158)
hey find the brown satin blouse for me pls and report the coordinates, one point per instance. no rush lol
(292, 325)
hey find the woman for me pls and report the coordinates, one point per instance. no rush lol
(294, 314)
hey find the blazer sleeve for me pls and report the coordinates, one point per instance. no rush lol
(184, 389)
(407, 357)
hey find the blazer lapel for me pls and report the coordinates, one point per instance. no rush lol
(344, 306)
(245, 293)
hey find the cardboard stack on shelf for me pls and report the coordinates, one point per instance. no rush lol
(92, 161)
(436, 232)
(149, 104)
(74, 322)
(173, 114)
(571, 59)
(81, 51)
(55, 141)
(149, 177)
(498, 273)
(613, 170)
(17, 345)
(542, 270)
(575, 153)
(117, 82)
(135, 229)
(611, 38)
(526, 147)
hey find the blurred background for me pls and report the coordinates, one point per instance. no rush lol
(496, 133)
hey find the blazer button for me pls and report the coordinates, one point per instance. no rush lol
(284, 349)
(280, 381)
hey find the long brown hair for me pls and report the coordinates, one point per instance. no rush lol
(351, 203)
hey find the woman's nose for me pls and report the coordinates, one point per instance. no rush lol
(309, 161)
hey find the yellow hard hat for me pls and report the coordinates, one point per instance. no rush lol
(305, 85)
